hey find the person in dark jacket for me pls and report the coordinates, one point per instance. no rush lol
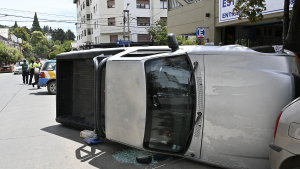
(24, 70)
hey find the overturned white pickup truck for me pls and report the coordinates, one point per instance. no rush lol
(212, 104)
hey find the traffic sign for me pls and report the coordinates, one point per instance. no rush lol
(200, 33)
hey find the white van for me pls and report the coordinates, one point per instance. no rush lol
(218, 107)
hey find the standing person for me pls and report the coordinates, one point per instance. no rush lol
(220, 44)
(38, 65)
(31, 70)
(24, 70)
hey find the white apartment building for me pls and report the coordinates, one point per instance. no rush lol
(101, 21)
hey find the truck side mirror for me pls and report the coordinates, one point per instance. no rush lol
(172, 42)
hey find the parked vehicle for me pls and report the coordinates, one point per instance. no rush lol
(232, 96)
(48, 76)
(285, 148)
(17, 68)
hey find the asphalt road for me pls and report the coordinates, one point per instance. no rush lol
(31, 138)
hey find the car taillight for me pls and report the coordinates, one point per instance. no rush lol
(276, 124)
(42, 75)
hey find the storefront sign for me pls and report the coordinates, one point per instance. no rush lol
(225, 9)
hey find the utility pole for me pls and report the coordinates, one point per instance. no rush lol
(127, 33)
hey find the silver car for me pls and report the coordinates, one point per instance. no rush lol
(17, 68)
(285, 148)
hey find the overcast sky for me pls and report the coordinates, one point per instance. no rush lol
(58, 10)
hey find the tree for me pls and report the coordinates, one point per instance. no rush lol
(21, 33)
(159, 32)
(27, 30)
(57, 42)
(70, 35)
(8, 54)
(67, 46)
(50, 30)
(35, 24)
(59, 34)
(27, 49)
(41, 49)
(252, 10)
(52, 55)
(37, 37)
(15, 26)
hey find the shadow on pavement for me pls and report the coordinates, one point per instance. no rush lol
(100, 155)
(39, 93)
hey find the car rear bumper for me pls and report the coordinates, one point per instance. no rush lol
(43, 82)
(278, 155)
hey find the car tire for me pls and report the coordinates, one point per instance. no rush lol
(52, 87)
(14, 73)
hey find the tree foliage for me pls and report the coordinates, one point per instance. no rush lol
(41, 49)
(70, 35)
(37, 37)
(159, 32)
(27, 30)
(182, 40)
(20, 32)
(15, 25)
(27, 49)
(9, 54)
(35, 24)
(59, 34)
(250, 9)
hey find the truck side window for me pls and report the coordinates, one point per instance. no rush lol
(169, 106)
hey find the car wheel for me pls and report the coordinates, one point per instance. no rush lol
(52, 87)
(14, 73)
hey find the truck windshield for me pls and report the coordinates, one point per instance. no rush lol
(170, 103)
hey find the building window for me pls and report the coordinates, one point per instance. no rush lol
(90, 2)
(142, 4)
(163, 4)
(164, 19)
(95, 25)
(89, 32)
(87, 2)
(110, 3)
(113, 38)
(143, 21)
(94, 9)
(88, 17)
(83, 5)
(92, 30)
(83, 19)
(143, 38)
(91, 16)
(95, 40)
(84, 32)
(111, 22)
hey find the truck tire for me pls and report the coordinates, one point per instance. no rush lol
(52, 87)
